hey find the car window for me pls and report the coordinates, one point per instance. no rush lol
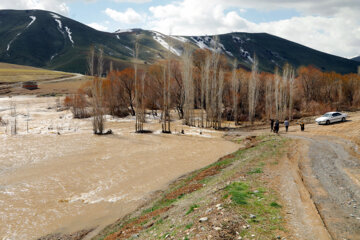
(334, 115)
(337, 114)
(327, 115)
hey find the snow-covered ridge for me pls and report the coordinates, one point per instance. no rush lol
(69, 34)
(161, 40)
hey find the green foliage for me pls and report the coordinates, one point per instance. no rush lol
(275, 205)
(239, 192)
(192, 207)
(256, 170)
(188, 226)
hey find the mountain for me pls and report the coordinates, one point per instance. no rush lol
(356, 59)
(48, 40)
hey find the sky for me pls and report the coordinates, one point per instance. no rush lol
(331, 26)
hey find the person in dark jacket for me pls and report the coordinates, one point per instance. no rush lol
(276, 128)
(302, 126)
(272, 125)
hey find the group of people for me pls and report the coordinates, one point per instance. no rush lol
(275, 125)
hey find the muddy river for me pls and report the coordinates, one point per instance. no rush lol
(63, 183)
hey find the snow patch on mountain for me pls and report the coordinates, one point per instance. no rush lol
(69, 34)
(117, 36)
(124, 31)
(33, 19)
(207, 43)
(55, 16)
(179, 38)
(131, 50)
(237, 39)
(53, 56)
(161, 40)
(246, 55)
(9, 44)
(59, 23)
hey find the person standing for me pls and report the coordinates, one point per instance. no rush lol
(302, 126)
(276, 128)
(272, 125)
(286, 123)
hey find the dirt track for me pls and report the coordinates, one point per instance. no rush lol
(328, 158)
(333, 186)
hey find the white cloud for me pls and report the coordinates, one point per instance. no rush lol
(127, 17)
(327, 25)
(58, 6)
(98, 26)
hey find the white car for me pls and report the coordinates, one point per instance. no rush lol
(331, 117)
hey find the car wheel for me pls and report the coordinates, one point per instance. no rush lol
(343, 119)
(327, 122)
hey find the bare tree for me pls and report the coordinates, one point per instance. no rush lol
(166, 95)
(291, 92)
(138, 122)
(235, 90)
(91, 61)
(269, 97)
(253, 90)
(213, 84)
(188, 85)
(97, 98)
(100, 63)
(13, 115)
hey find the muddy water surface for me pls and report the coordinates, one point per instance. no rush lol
(62, 183)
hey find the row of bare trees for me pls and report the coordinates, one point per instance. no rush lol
(205, 89)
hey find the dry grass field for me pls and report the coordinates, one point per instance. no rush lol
(11, 73)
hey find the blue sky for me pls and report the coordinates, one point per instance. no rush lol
(331, 26)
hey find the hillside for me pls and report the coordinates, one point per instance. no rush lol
(45, 39)
(356, 59)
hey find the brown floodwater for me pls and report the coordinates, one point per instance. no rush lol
(63, 183)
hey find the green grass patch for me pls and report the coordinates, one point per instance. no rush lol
(239, 192)
(192, 207)
(275, 205)
(256, 170)
(188, 226)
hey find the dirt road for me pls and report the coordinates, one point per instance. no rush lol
(330, 169)
(335, 171)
